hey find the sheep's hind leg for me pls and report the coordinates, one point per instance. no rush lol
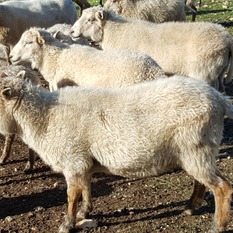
(31, 161)
(222, 195)
(196, 198)
(7, 148)
(222, 191)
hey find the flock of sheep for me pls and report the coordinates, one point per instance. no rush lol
(126, 96)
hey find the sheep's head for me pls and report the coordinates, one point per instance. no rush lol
(90, 25)
(115, 5)
(28, 49)
(10, 92)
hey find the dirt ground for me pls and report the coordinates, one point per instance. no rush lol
(36, 202)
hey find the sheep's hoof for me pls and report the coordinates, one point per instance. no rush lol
(2, 160)
(188, 211)
(28, 169)
(65, 227)
(215, 229)
(86, 224)
(81, 215)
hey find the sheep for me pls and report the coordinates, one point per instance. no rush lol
(130, 131)
(34, 78)
(87, 66)
(17, 16)
(62, 33)
(157, 11)
(201, 50)
(4, 55)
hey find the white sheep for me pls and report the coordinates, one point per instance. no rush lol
(142, 130)
(62, 33)
(82, 65)
(201, 50)
(17, 16)
(157, 11)
(35, 79)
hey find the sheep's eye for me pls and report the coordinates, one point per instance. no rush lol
(28, 43)
(90, 20)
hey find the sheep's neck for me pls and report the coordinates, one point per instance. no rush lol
(48, 63)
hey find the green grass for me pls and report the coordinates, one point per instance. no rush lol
(217, 11)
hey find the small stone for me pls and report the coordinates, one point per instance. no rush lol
(39, 208)
(8, 218)
(30, 214)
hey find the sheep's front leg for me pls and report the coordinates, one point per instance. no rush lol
(7, 148)
(86, 206)
(73, 194)
(196, 198)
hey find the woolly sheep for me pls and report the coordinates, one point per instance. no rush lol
(17, 16)
(34, 78)
(130, 131)
(201, 50)
(62, 33)
(86, 67)
(157, 11)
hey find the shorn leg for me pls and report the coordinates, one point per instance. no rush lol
(31, 160)
(86, 206)
(76, 185)
(196, 198)
(222, 195)
(73, 194)
(222, 191)
(7, 148)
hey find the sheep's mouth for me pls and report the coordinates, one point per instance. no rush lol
(15, 61)
(75, 38)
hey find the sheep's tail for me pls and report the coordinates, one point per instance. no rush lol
(228, 78)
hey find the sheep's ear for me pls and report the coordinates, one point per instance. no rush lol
(40, 40)
(7, 93)
(100, 15)
(21, 74)
(2, 75)
(56, 34)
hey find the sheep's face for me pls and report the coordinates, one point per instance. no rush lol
(28, 49)
(114, 5)
(90, 25)
(10, 91)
